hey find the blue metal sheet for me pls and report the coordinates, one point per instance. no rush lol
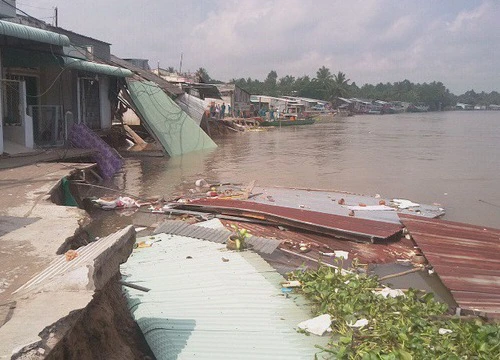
(34, 34)
(210, 303)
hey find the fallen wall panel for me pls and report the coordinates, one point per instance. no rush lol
(175, 130)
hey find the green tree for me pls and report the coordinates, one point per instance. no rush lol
(203, 76)
(271, 84)
(340, 85)
(323, 83)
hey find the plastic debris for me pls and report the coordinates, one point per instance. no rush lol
(388, 292)
(290, 284)
(443, 331)
(358, 324)
(341, 254)
(404, 204)
(317, 325)
(120, 202)
(201, 183)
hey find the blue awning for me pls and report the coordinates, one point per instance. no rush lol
(33, 34)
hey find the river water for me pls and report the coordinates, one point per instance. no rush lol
(448, 158)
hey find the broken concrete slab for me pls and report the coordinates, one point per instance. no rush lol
(56, 294)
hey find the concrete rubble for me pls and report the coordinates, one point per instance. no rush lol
(37, 286)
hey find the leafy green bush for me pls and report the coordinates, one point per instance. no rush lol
(404, 327)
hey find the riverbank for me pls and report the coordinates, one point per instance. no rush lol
(44, 297)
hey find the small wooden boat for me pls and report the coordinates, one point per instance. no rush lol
(286, 122)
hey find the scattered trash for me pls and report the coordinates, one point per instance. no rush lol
(143, 244)
(189, 257)
(341, 254)
(286, 291)
(317, 325)
(443, 331)
(388, 292)
(282, 228)
(225, 259)
(133, 286)
(305, 247)
(201, 183)
(381, 202)
(291, 284)
(70, 255)
(140, 228)
(331, 254)
(377, 196)
(358, 324)
(120, 202)
(404, 204)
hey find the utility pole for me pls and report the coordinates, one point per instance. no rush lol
(55, 16)
(180, 66)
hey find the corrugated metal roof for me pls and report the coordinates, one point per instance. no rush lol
(34, 34)
(465, 257)
(207, 302)
(367, 253)
(345, 227)
(198, 231)
(193, 106)
(175, 130)
(95, 68)
(148, 75)
(327, 201)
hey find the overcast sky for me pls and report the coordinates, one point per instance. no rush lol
(372, 41)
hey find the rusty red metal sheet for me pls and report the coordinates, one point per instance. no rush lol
(345, 227)
(367, 253)
(465, 257)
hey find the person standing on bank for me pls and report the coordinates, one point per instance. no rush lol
(222, 110)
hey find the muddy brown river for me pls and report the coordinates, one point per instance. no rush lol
(449, 158)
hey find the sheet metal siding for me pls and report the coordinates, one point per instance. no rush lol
(341, 226)
(465, 257)
(33, 34)
(327, 202)
(86, 256)
(175, 130)
(203, 307)
(181, 228)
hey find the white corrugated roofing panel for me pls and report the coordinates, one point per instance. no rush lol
(207, 302)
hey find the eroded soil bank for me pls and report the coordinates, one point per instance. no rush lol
(104, 330)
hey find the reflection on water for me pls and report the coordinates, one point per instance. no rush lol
(451, 158)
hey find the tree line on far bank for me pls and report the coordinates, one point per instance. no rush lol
(327, 86)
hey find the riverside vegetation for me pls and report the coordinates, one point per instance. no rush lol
(414, 326)
(328, 86)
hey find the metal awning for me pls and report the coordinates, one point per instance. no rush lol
(96, 68)
(33, 34)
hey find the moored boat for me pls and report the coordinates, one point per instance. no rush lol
(286, 122)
